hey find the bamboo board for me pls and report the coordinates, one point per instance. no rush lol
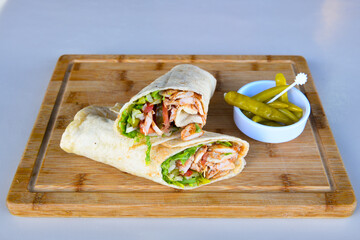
(301, 178)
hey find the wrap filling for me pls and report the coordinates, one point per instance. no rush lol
(201, 164)
(159, 113)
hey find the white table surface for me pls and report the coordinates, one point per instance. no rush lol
(33, 34)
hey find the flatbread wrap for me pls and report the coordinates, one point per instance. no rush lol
(176, 101)
(174, 163)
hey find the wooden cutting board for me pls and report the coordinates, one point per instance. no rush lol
(301, 178)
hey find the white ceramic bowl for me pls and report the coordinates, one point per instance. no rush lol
(271, 134)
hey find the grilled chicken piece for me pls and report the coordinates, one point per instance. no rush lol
(215, 161)
(183, 168)
(189, 132)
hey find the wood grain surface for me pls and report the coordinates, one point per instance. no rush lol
(301, 178)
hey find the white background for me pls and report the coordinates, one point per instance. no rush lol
(33, 34)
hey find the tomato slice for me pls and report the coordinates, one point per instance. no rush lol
(151, 130)
(188, 173)
(203, 162)
(148, 108)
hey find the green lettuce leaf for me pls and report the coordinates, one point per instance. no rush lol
(123, 122)
(139, 106)
(225, 143)
(141, 100)
(156, 95)
(198, 129)
(148, 144)
(201, 180)
(188, 181)
(149, 98)
(183, 156)
(133, 120)
(128, 116)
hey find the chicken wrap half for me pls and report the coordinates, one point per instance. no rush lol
(175, 163)
(176, 101)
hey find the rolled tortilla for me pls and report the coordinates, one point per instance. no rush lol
(184, 77)
(91, 134)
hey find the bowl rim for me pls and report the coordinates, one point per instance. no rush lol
(303, 119)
